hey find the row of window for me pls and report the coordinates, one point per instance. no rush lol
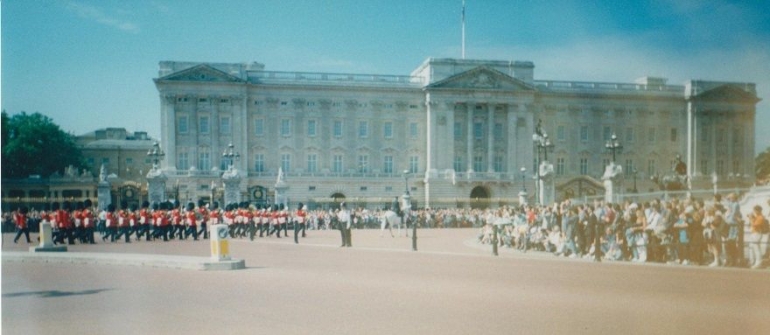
(204, 163)
(285, 129)
(629, 134)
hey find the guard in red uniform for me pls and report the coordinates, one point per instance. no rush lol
(192, 226)
(88, 222)
(300, 217)
(204, 215)
(124, 225)
(20, 217)
(110, 221)
(65, 224)
(177, 224)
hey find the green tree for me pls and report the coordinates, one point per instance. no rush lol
(34, 145)
(762, 165)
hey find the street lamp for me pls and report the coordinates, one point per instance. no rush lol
(156, 154)
(407, 207)
(523, 175)
(635, 173)
(543, 145)
(230, 155)
(613, 146)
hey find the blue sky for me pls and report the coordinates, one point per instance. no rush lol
(89, 64)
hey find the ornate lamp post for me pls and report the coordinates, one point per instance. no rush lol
(613, 146)
(523, 175)
(156, 180)
(542, 145)
(156, 154)
(230, 178)
(635, 174)
(231, 155)
(407, 207)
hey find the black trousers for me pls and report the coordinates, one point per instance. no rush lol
(297, 228)
(24, 230)
(192, 230)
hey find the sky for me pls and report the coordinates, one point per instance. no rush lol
(89, 64)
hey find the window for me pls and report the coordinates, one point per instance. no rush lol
(259, 162)
(498, 131)
(478, 130)
(182, 125)
(182, 161)
(629, 134)
(387, 164)
(629, 168)
(651, 134)
(286, 162)
(387, 129)
(584, 133)
(337, 164)
(413, 130)
(223, 163)
(606, 133)
(259, 127)
(458, 131)
(704, 167)
(105, 161)
(498, 165)
(311, 129)
(721, 167)
(478, 163)
(312, 163)
(584, 166)
(363, 129)
(673, 134)
(560, 166)
(458, 164)
(736, 167)
(736, 137)
(203, 125)
(651, 167)
(560, 133)
(363, 164)
(204, 160)
(704, 134)
(129, 161)
(224, 125)
(337, 128)
(285, 127)
(413, 164)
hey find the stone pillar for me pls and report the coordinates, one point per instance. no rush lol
(469, 137)
(547, 187)
(490, 137)
(613, 183)
(280, 190)
(103, 190)
(156, 185)
(220, 247)
(232, 181)
(46, 240)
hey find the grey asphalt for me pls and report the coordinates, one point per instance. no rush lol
(450, 286)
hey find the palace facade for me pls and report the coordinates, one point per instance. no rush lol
(454, 132)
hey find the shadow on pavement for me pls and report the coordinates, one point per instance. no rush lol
(53, 294)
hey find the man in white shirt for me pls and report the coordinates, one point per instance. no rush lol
(345, 220)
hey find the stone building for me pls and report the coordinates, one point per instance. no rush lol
(457, 132)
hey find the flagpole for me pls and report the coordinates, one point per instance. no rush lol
(463, 30)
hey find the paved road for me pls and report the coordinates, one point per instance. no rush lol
(450, 286)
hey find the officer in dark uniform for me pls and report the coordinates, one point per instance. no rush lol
(345, 221)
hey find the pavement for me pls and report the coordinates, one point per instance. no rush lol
(451, 285)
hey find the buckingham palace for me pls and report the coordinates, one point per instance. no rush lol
(454, 132)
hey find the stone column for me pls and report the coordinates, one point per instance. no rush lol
(103, 190)
(232, 181)
(156, 185)
(613, 183)
(280, 190)
(469, 138)
(490, 137)
(547, 187)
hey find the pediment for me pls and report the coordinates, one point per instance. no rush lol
(483, 78)
(582, 182)
(201, 73)
(728, 93)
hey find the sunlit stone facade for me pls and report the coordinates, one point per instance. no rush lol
(462, 129)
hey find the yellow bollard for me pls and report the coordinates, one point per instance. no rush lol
(220, 248)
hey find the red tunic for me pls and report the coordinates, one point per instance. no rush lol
(21, 220)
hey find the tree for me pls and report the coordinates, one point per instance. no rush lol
(34, 145)
(762, 166)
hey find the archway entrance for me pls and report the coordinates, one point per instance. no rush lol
(479, 198)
